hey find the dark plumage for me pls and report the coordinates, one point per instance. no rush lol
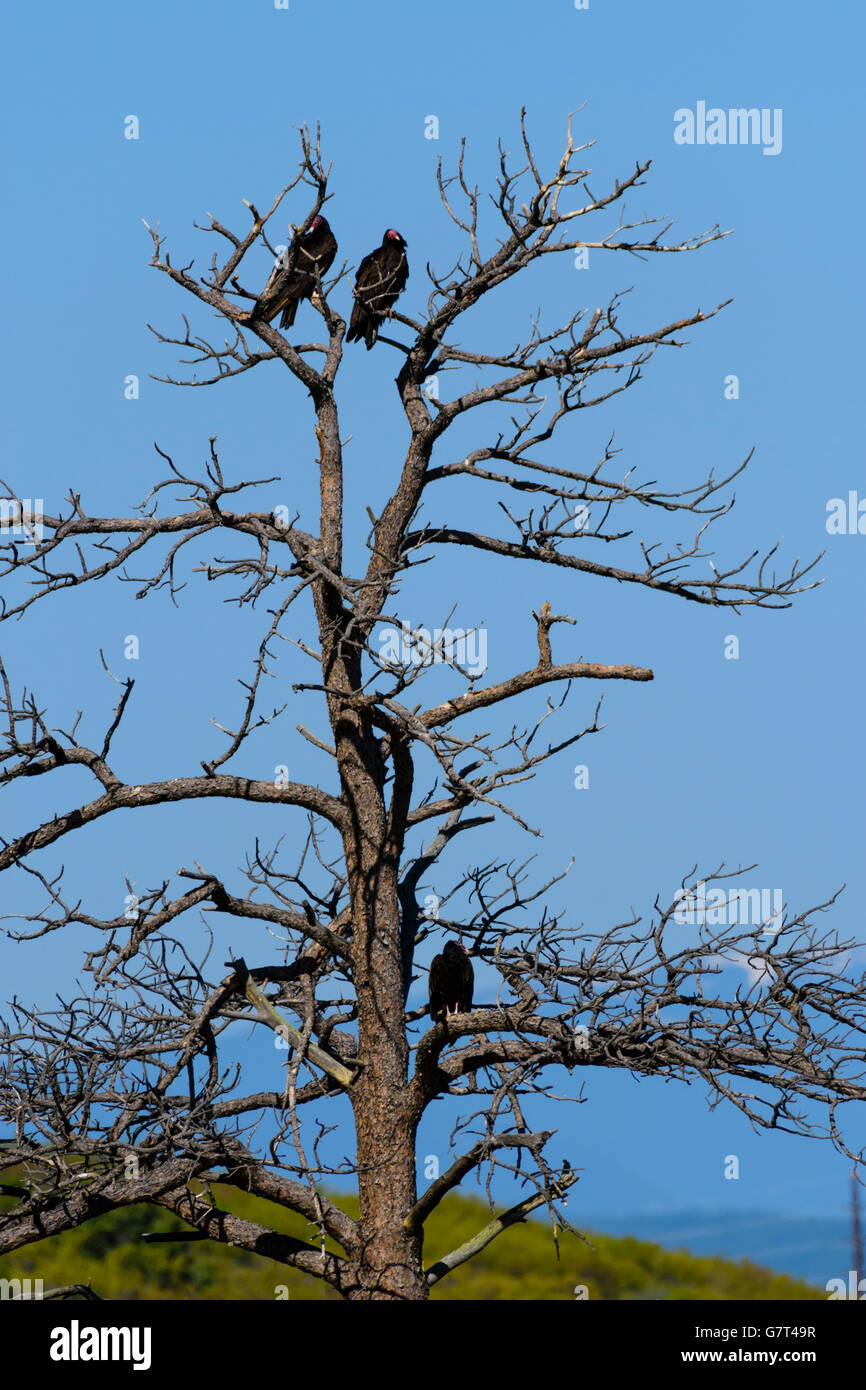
(286, 288)
(451, 982)
(379, 283)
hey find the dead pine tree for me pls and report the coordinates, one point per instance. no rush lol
(132, 1080)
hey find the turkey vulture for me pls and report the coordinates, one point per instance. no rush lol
(451, 981)
(286, 288)
(380, 280)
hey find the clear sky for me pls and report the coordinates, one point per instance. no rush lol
(758, 759)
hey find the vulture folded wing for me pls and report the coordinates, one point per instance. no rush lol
(286, 288)
(367, 277)
(438, 987)
(381, 277)
(272, 296)
(467, 984)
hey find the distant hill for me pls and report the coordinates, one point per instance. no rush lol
(520, 1264)
(809, 1247)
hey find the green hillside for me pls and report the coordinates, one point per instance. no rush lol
(520, 1264)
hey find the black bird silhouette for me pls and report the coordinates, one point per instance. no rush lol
(379, 283)
(286, 288)
(451, 982)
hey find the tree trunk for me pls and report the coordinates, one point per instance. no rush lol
(385, 1127)
(390, 1257)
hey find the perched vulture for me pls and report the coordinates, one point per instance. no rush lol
(286, 288)
(379, 283)
(451, 981)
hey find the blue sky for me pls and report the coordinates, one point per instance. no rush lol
(750, 760)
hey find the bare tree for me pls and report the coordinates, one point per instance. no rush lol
(131, 1078)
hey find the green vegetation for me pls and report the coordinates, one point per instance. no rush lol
(520, 1264)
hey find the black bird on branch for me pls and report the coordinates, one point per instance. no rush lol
(451, 982)
(379, 283)
(286, 288)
